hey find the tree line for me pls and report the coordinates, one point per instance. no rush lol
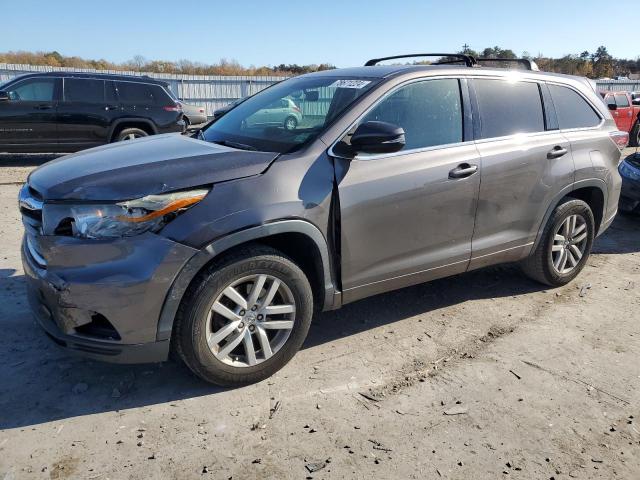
(597, 64)
(141, 64)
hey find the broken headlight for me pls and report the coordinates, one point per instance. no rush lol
(125, 219)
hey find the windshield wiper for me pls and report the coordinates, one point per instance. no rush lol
(240, 146)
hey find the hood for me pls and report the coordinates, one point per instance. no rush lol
(150, 165)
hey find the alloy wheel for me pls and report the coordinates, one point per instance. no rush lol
(569, 243)
(250, 320)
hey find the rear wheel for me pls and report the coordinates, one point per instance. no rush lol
(290, 123)
(565, 245)
(634, 136)
(130, 134)
(244, 318)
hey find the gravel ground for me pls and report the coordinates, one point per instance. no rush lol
(482, 375)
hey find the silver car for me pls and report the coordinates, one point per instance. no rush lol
(283, 112)
(193, 114)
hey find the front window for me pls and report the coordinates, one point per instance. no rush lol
(429, 112)
(287, 115)
(34, 90)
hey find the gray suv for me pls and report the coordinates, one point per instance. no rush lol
(221, 246)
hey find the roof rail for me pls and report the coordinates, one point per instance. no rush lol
(467, 59)
(528, 64)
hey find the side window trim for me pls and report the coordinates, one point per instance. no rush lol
(391, 91)
(549, 108)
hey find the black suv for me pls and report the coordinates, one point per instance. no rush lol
(67, 112)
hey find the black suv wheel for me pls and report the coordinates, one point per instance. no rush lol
(130, 134)
(245, 318)
(565, 245)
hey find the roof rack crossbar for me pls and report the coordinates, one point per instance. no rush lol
(467, 59)
(528, 64)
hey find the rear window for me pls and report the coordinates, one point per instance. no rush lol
(135, 93)
(572, 109)
(508, 108)
(83, 90)
(622, 100)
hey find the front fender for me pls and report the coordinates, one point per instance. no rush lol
(215, 248)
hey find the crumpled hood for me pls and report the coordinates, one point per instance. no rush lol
(150, 165)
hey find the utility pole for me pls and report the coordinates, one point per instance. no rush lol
(465, 48)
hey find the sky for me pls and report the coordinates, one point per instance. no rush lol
(339, 32)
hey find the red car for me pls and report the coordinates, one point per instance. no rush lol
(626, 112)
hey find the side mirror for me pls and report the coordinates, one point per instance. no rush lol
(378, 137)
(635, 101)
(4, 96)
(612, 106)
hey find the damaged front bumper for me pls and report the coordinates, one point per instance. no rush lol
(103, 299)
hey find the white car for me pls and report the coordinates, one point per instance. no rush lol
(283, 112)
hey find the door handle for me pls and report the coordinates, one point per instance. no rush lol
(463, 170)
(43, 107)
(556, 152)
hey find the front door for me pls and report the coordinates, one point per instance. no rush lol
(28, 118)
(408, 217)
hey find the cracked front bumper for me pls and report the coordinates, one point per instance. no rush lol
(124, 281)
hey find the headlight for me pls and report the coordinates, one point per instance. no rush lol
(125, 219)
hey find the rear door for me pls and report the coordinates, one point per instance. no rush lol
(624, 113)
(84, 119)
(404, 218)
(137, 99)
(28, 118)
(525, 161)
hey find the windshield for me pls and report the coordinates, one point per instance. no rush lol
(284, 117)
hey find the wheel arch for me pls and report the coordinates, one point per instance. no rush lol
(299, 239)
(592, 191)
(122, 123)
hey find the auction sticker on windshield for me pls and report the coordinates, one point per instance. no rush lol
(350, 83)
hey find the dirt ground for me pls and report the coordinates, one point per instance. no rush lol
(484, 375)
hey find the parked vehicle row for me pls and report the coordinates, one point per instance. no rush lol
(55, 112)
(221, 246)
(67, 112)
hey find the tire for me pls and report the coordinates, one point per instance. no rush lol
(187, 123)
(634, 136)
(198, 317)
(290, 123)
(130, 134)
(541, 265)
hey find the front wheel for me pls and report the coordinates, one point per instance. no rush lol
(565, 245)
(244, 318)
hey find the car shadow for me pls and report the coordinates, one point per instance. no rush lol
(43, 383)
(27, 159)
